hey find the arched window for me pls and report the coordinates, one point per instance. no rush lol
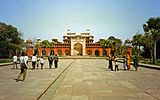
(67, 52)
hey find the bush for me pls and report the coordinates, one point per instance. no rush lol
(158, 62)
(5, 60)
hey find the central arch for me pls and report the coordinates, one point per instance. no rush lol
(78, 49)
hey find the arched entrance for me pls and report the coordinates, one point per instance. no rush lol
(67, 52)
(97, 53)
(89, 52)
(78, 49)
(104, 53)
(60, 52)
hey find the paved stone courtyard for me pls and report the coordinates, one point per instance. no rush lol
(85, 79)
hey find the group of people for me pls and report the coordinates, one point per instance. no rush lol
(23, 60)
(15, 60)
(113, 60)
(126, 62)
(52, 58)
(36, 61)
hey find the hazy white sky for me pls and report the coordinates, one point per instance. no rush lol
(47, 19)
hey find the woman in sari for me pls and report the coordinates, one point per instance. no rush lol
(128, 61)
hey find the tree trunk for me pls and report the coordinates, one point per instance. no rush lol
(154, 55)
(139, 51)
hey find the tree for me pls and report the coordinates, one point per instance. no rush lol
(111, 40)
(137, 41)
(148, 43)
(45, 43)
(105, 43)
(51, 44)
(113, 43)
(152, 27)
(117, 46)
(10, 40)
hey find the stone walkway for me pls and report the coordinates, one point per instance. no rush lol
(85, 79)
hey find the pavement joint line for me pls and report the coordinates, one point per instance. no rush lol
(54, 81)
(152, 95)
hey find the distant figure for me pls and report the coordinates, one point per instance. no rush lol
(34, 59)
(50, 59)
(109, 59)
(41, 62)
(110, 63)
(128, 62)
(56, 61)
(15, 59)
(135, 60)
(116, 64)
(26, 57)
(23, 65)
(38, 61)
(124, 62)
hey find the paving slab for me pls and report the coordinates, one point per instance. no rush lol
(86, 79)
(35, 84)
(91, 80)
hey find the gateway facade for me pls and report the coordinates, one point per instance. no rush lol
(74, 44)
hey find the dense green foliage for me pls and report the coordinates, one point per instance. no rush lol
(114, 43)
(10, 40)
(152, 31)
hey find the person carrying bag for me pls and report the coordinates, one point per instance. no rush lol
(23, 65)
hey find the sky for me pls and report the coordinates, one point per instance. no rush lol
(48, 19)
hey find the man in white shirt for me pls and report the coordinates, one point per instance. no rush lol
(26, 57)
(34, 59)
(15, 62)
(23, 64)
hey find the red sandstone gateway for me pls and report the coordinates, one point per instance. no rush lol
(73, 44)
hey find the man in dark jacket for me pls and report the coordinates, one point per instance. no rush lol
(55, 61)
(50, 59)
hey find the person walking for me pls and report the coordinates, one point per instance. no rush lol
(56, 61)
(124, 62)
(135, 60)
(23, 65)
(15, 59)
(34, 59)
(110, 63)
(41, 62)
(50, 59)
